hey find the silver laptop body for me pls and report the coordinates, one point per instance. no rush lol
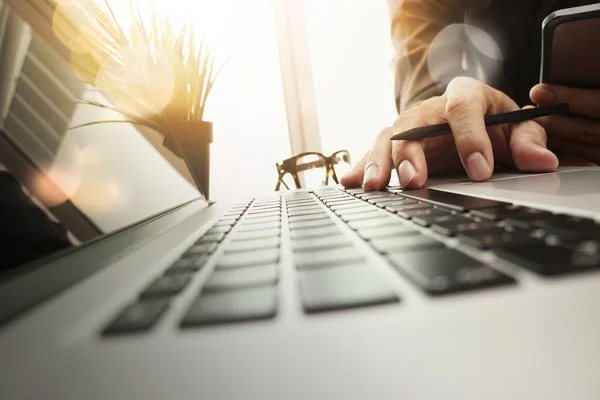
(460, 291)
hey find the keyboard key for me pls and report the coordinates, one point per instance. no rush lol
(339, 202)
(354, 190)
(423, 212)
(453, 201)
(458, 223)
(225, 223)
(408, 207)
(187, 265)
(383, 197)
(355, 210)
(250, 245)
(232, 306)
(248, 222)
(363, 216)
(405, 242)
(565, 227)
(241, 278)
(393, 201)
(335, 197)
(301, 203)
(496, 238)
(549, 260)
(321, 223)
(199, 249)
(315, 233)
(235, 216)
(305, 210)
(374, 195)
(266, 233)
(498, 213)
(213, 237)
(390, 199)
(263, 215)
(138, 317)
(166, 286)
(312, 217)
(385, 204)
(441, 220)
(259, 227)
(443, 271)
(384, 220)
(327, 258)
(350, 286)
(387, 231)
(348, 205)
(219, 229)
(263, 209)
(319, 243)
(248, 258)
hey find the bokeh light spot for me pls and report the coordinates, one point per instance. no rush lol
(464, 50)
(58, 182)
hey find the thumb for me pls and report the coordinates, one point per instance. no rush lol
(584, 102)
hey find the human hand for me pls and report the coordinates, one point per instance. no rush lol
(577, 133)
(473, 146)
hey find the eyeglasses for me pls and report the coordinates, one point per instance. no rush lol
(312, 169)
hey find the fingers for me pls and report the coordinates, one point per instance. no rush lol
(585, 152)
(581, 101)
(410, 162)
(408, 156)
(465, 108)
(373, 171)
(578, 129)
(528, 147)
(354, 178)
(379, 162)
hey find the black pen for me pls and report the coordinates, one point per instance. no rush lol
(491, 120)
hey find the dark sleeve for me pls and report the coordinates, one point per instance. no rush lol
(415, 25)
(26, 231)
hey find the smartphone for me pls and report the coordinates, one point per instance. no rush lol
(571, 47)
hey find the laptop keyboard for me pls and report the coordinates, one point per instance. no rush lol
(332, 273)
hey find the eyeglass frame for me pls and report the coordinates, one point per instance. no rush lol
(289, 166)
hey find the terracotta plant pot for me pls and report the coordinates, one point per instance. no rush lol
(191, 141)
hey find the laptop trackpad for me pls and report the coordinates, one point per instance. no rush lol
(567, 183)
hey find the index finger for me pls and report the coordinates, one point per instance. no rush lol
(581, 101)
(468, 101)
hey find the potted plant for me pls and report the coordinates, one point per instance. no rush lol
(156, 76)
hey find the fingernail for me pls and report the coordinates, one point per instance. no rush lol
(544, 95)
(371, 173)
(406, 172)
(547, 153)
(478, 167)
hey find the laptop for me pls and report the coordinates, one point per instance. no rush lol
(460, 290)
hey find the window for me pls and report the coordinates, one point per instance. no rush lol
(246, 105)
(350, 56)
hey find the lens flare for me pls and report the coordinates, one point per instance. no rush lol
(138, 80)
(464, 50)
(99, 195)
(58, 182)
